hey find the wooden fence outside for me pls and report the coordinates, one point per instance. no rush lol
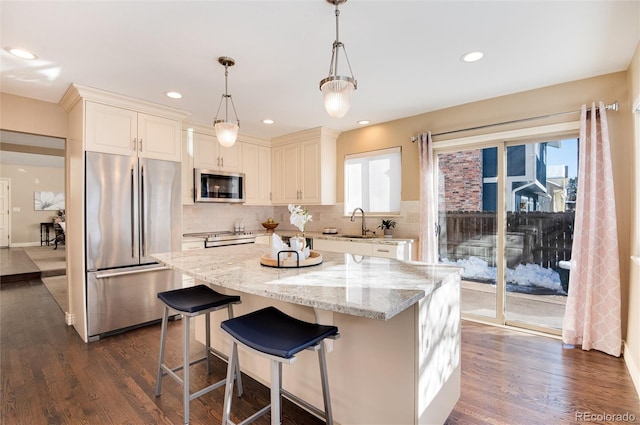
(542, 238)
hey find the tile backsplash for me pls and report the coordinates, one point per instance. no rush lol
(219, 217)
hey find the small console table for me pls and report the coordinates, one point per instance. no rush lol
(44, 232)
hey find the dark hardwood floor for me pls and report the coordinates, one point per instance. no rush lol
(49, 376)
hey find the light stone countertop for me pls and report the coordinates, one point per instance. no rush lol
(341, 237)
(375, 288)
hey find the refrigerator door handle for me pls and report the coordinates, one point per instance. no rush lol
(133, 218)
(143, 213)
(128, 272)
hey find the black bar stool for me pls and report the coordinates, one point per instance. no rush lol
(191, 302)
(273, 334)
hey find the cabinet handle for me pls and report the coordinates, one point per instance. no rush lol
(134, 144)
(382, 250)
(222, 162)
(140, 145)
(218, 162)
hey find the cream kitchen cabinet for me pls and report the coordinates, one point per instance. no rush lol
(400, 250)
(189, 244)
(304, 167)
(187, 168)
(209, 154)
(256, 165)
(123, 131)
(101, 121)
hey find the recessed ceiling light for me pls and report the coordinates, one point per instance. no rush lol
(364, 122)
(21, 53)
(267, 121)
(472, 56)
(174, 95)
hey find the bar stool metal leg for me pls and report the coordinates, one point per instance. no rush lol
(276, 392)
(163, 340)
(324, 376)
(235, 353)
(186, 390)
(231, 366)
(192, 302)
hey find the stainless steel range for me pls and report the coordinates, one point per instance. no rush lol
(223, 238)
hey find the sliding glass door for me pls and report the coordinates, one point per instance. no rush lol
(468, 231)
(506, 215)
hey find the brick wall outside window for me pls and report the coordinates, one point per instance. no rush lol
(461, 180)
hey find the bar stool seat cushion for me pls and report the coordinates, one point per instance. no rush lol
(196, 298)
(273, 332)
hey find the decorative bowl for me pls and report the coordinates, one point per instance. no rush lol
(270, 226)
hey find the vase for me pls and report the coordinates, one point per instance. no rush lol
(388, 233)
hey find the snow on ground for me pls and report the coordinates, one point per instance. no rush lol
(531, 275)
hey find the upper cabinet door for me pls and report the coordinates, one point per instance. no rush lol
(205, 152)
(159, 138)
(256, 165)
(208, 154)
(110, 129)
(310, 177)
(291, 190)
(121, 131)
(230, 158)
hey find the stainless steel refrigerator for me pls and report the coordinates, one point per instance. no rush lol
(133, 209)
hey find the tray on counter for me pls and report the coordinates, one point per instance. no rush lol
(289, 259)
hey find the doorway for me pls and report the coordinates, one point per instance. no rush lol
(506, 212)
(35, 165)
(5, 212)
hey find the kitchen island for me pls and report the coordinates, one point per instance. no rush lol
(398, 358)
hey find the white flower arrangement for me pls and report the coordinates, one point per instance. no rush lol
(299, 217)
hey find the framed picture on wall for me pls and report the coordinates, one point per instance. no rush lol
(48, 201)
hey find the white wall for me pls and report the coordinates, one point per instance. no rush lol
(25, 180)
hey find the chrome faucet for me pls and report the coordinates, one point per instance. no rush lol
(364, 225)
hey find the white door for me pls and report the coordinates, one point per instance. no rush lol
(5, 213)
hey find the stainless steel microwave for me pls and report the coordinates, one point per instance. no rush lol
(218, 186)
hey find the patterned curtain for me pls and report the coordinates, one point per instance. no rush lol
(428, 241)
(593, 314)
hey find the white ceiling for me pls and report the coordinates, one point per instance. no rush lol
(404, 54)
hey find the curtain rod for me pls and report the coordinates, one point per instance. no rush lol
(611, 107)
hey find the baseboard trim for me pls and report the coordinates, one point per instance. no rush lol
(632, 367)
(25, 244)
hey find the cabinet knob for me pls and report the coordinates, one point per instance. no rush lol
(134, 144)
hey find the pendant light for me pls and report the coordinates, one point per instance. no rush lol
(226, 131)
(337, 89)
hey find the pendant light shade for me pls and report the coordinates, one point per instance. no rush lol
(226, 131)
(337, 96)
(337, 89)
